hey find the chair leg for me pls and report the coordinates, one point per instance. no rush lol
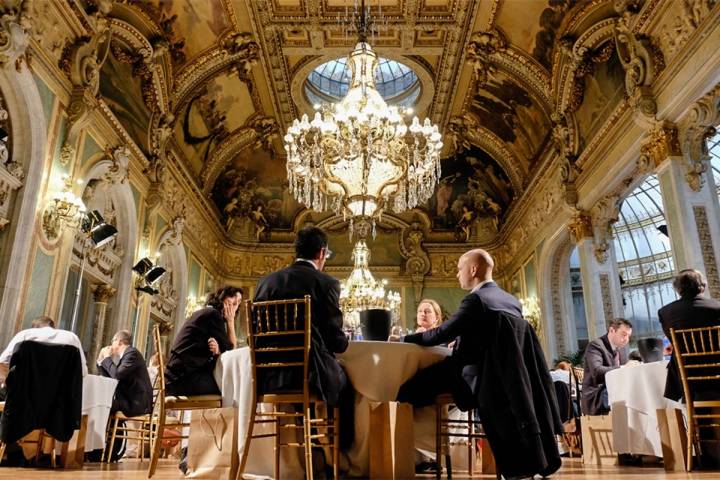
(248, 440)
(155, 445)
(2, 450)
(307, 415)
(690, 443)
(278, 427)
(336, 443)
(112, 439)
(438, 438)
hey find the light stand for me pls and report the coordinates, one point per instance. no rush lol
(97, 231)
(147, 275)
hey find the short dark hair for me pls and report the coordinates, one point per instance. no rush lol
(42, 321)
(309, 241)
(689, 283)
(215, 299)
(124, 337)
(616, 323)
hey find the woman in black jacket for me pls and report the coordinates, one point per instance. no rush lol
(202, 338)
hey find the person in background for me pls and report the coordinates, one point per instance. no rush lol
(429, 315)
(209, 332)
(123, 362)
(42, 329)
(634, 358)
(561, 373)
(602, 355)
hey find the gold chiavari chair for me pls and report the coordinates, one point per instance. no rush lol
(163, 403)
(279, 340)
(697, 353)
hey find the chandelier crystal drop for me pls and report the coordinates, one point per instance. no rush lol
(358, 157)
(360, 291)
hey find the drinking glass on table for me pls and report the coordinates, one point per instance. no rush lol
(396, 333)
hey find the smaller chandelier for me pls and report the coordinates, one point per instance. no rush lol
(358, 157)
(360, 291)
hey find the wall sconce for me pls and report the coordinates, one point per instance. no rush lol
(193, 303)
(147, 275)
(64, 209)
(532, 313)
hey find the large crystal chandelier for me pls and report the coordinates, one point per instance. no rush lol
(358, 157)
(360, 291)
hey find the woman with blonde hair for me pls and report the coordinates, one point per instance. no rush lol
(429, 315)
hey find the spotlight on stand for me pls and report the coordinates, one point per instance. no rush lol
(96, 230)
(147, 275)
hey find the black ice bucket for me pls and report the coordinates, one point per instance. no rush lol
(651, 349)
(375, 324)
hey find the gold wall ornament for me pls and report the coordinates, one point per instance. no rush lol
(64, 209)
(15, 33)
(479, 49)
(580, 227)
(358, 157)
(697, 127)
(532, 313)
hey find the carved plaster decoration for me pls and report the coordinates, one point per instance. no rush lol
(641, 61)
(559, 264)
(82, 60)
(246, 53)
(175, 234)
(165, 301)
(566, 145)
(479, 50)
(118, 170)
(265, 128)
(660, 144)
(696, 127)
(580, 227)
(708, 253)
(417, 263)
(15, 32)
(677, 30)
(606, 297)
(103, 262)
(444, 265)
(103, 292)
(604, 214)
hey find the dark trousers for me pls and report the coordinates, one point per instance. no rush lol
(442, 377)
(197, 383)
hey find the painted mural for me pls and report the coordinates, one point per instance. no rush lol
(253, 187)
(472, 185)
(550, 20)
(604, 90)
(509, 111)
(206, 16)
(123, 94)
(219, 108)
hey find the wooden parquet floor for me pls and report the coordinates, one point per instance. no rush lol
(572, 469)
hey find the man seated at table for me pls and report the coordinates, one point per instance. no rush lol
(602, 355)
(123, 362)
(496, 365)
(42, 329)
(305, 277)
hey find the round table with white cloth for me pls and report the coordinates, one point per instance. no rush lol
(635, 393)
(376, 370)
(97, 397)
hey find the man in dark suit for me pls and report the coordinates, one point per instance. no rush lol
(305, 277)
(602, 355)
(496, 366)
(133, 395)
(692, 310)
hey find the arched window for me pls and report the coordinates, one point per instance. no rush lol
(714, 149)
(644, 257)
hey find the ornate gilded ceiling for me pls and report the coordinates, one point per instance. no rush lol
(213, 84)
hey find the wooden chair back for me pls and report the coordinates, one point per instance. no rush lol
(278, 334)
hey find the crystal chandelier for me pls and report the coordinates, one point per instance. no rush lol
(358, 157)
(360, 291)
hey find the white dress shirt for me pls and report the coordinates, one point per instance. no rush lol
(45, 335)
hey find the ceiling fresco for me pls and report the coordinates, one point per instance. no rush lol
(226, 78)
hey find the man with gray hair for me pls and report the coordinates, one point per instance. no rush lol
(123, 362)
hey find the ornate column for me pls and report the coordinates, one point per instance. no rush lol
(101, 294)
(690, 199)
(600, 278)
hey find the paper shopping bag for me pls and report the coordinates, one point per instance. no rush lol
(392, 449)
(212, 447)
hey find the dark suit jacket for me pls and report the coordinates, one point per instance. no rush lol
(190, 355)
(502, 362)
(599, 359)
(299, 279)
(133, 395)
(694, 312)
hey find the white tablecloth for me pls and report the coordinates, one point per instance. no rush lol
(97, 399)
(635, 393)
(376, 371)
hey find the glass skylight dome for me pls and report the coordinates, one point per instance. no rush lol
(397, 83)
